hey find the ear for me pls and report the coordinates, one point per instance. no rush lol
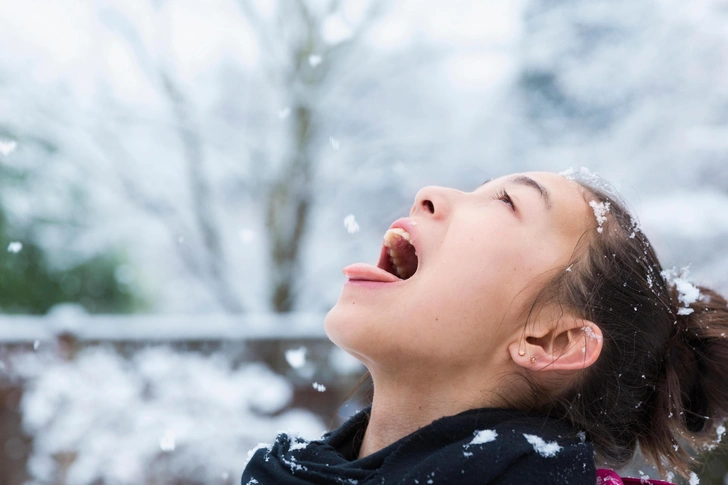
(573, 345)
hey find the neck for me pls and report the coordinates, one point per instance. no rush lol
(402, 405)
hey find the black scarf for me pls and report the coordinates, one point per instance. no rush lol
(480, 446)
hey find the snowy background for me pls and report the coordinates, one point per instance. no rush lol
(210, 165)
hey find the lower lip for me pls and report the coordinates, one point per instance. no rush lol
(372, 284)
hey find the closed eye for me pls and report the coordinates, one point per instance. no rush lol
(502, 195)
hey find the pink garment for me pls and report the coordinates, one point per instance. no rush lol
(609, 477)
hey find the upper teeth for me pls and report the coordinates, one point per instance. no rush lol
(392, 234)
(390, 237)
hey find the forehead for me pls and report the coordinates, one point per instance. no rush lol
(568, 200)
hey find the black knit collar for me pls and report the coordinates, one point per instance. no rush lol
(441, 449)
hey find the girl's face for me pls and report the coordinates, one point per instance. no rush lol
(482, 257)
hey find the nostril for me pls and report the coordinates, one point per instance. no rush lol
(429, 205)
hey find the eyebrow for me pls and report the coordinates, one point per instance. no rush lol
(529, 182)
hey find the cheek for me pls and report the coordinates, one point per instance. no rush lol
(481, 280)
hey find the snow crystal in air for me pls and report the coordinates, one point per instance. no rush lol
(15, 247)
(694, 480)
(314, 60)
(334, 143)
(167, 442)
(284, 113)
(483, 436)
(246, 235)
(670, 476)
(252, 481)
(36, 344)
(350, 224)
(601, 209)
(687, 292)
(296, 358)
(721, 431)
(543, 448)
(7, 147)
(319, 387)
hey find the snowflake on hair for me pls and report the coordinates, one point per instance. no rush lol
(687, 292)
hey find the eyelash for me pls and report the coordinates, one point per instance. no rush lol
(503, 195)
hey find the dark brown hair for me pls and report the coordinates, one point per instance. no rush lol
(661, 380)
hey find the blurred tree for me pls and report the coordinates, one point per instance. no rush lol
(29, 284)
(302, 50)
(302, 59)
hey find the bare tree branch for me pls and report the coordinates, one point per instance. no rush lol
(201, 198)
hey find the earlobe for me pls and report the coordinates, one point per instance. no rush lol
(572, 347)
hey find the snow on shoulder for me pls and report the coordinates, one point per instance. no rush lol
(694, 480)
(483, 436)
(547, 450)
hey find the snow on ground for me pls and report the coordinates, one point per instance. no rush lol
(159, 413)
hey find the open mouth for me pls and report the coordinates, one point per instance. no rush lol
(398, 255)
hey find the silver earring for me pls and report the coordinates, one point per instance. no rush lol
(533, 359)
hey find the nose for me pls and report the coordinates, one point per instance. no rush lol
(432, 201)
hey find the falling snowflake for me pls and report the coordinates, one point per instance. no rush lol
(284, 113)
(319, 387)
(246, 235)
(296, 358)
(314, 60)
(167, 442)
(334, 143)
(350, 224)
(7, 147)
(15, 247)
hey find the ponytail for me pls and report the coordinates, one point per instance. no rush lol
(661, 380)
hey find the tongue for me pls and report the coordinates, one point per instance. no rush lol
(367, 272)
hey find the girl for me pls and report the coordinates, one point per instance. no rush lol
(517, 334)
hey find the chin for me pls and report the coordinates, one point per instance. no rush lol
(338, 325)
(349, 330)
